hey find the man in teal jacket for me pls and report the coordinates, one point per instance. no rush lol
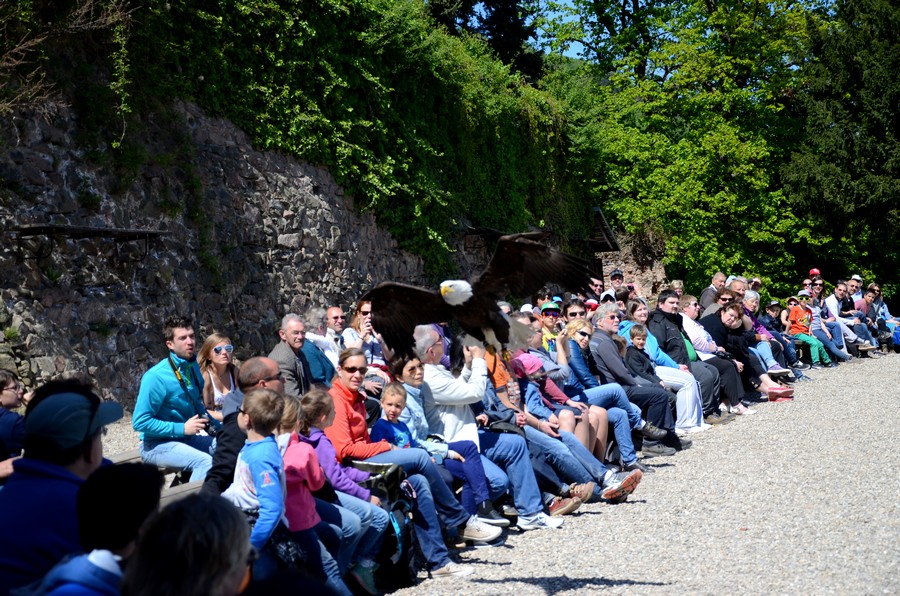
(169, 412)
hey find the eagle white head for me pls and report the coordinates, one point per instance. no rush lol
(455, 291)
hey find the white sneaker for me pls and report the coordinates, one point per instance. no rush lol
(452, 569)
(538, 521)
(478, 531)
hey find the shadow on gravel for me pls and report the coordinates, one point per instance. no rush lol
(554, 585)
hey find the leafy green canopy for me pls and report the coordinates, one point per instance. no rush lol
(846, 174)
(426, 129)
(681, 117)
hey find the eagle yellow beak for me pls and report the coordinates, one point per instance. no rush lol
(445, 290)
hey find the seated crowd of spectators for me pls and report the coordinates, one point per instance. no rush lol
(283, 446)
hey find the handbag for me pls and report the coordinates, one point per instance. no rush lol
(501, 426)
(386, 479)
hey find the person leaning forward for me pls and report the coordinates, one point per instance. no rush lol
(169, 412)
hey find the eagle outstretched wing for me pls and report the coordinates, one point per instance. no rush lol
(522, 264)
(397, 308)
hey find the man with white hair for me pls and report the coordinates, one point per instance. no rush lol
(290, 357)
(317, 332)
(708, 296)
(447, 399)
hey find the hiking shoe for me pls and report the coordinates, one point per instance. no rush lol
(620, 485)
(656, 449)
(582, 491)
(364, 573)
(452, 569)
(510, 512)
(636, 465)
(478, 531)
(489, 515)
(561, 506)
(718, 418)
(776, 369)
(538, 521)
(652, 432)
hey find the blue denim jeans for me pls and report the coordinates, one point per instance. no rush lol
(611, 395)
(622, 432)
(190, 453)
(471, 473)
(561, 457)
(328, 542)
(497, 480)
(374, 521)
(433, 497)
(319, 561)
(510, 453)
(830, 345)
(349, 528)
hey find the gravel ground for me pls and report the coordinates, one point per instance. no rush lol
(799, 498)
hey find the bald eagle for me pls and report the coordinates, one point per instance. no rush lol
(521, 265)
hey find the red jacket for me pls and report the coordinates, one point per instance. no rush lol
(349, 433)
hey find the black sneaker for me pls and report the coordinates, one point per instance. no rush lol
(652, 432)
(816, 365)
(636, 465)
(654, 449)
(489, 515)
(799, 365)
(831, 365)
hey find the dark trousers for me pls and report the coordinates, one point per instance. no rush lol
(229, 442)
(729, 380)
(471, 472)
(710, 385)
(654, 401)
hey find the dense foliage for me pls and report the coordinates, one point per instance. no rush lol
(751, 137)
(426, 129)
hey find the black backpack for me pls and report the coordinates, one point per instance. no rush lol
(399, 559)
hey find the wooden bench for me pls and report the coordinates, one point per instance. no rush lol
(179, 487)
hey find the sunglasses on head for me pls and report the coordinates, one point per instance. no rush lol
(218, 349)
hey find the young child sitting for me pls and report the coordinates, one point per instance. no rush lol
(304, 476)
(460, 458)
(637, 360)
(358, 552)
(259, 484)
(112, 505)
